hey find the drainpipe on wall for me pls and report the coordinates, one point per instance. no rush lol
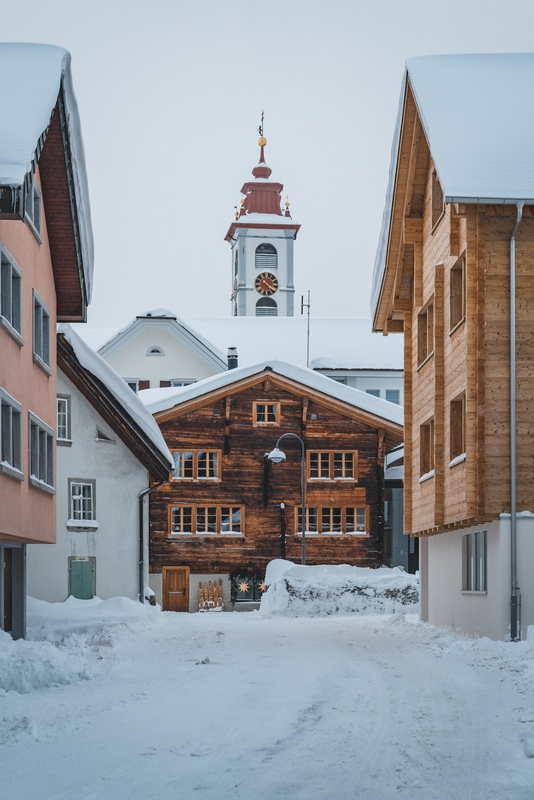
(142, 540)
(515, 600)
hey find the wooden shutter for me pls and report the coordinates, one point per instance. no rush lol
(164, 384)
(144, 385)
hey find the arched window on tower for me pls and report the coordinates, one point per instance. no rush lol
(266, 307)
(266, 257)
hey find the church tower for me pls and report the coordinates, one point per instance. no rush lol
(261, 238)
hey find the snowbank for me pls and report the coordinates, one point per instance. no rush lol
(296, 590)
(54, 621)
(59, 635)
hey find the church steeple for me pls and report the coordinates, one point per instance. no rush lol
(261, 238)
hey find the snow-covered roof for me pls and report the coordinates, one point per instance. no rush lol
(164, 399)
(96, 365)
(335, 343)
(478, 117)
(30, 79)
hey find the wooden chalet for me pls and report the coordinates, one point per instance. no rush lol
(228, 510)
(461, 193)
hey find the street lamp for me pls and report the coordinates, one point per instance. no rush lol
(277, 456)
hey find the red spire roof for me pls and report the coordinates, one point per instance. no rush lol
(262, 196)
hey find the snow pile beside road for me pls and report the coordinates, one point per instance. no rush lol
(295, 590)
(27, 666)
(61, 636)
(54, 621)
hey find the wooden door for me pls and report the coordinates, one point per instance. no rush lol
(176, 588)
(82, 578)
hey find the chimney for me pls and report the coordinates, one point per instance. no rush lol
(232, 357)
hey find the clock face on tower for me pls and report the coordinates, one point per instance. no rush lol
(266, 283)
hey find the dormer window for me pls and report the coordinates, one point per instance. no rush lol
(32, 210)
(266, 257)
(155, 350)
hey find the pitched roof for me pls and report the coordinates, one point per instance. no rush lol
(114, 400)
(478, 118)
(160, 400)
(33, 77)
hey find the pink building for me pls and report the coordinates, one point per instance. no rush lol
(46, 254)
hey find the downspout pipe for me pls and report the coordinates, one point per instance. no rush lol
(515, 598)
(142, 540)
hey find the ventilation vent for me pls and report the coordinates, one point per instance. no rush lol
(103, 437)
(266, 257)
(155, 350)
(266, 307)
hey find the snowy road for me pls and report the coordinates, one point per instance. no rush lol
(307, 709)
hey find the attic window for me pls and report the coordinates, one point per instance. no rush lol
(103, 437)
(32, 209)
(437, 199)
(155, 350)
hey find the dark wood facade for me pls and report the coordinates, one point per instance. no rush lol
(223, 422)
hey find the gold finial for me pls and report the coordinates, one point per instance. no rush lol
(242, 202)
(262, 141)
(287, 201)
(236, 212)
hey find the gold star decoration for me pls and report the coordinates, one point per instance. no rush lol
(243, 586)
(262, 586)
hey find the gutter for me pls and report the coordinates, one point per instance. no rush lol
(142, 539)
(515, 596)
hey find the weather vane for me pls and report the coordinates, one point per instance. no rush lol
(260, 129)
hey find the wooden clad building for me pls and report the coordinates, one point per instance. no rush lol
(228, 510)
(461, 189)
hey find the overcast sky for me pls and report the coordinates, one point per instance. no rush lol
(170, 95)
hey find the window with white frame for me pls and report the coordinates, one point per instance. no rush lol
(32, 209)
(177, 382)
(352, 520)
(155, 350)
(82, 500)
(133, 383)
(474, 562)
(10, 436)
(41, 453)
(392, 396)
(63, 418)
(41, 332)
(10, 295)
(373, 392)
(192, 520)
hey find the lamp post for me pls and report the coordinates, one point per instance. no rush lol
(277, 456)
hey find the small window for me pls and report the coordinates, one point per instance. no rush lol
(182, 519)
(437, 199)
(63, 418)
(32, 211)
(230, 519)
(41, 454)
(474, 562)
(82, 500)
(41, 333)
(331, 520)
(133, 383)
(393, 396)
(266, 307)
(332, 465)
(177, 382)
(196, 465)
(155, 350)
(10, 295)
(10, 436)
(265, 413)
(373, 392)
(425, 332)
(457, 429)
(426, 448)
(457, 292)
(266, 257)
(339, 380)
(311, 520)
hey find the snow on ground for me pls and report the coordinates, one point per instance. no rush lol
(296, 590)
(239, 705)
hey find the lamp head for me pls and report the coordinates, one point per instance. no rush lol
(276, 456)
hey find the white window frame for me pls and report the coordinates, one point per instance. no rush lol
(393, 391)
(33, 202)
(474, 563)
(82, 504)
(41, 333)
(155, 351)
(178, 382)
(130, 381)
(60, 400)
(10, 436)
(10, 295)
(40, 454)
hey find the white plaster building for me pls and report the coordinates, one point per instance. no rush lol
(108, 446)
